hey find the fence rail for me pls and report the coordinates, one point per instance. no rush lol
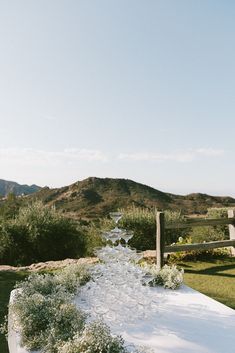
(198, 222)
(199, 246)
(161, 248)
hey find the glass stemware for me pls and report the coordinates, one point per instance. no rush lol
(119, 291)
(116, 216)
(126, 236)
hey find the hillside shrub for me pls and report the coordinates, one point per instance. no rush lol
(93, 237)
(39, 233)
(9, 207)
(211, 233)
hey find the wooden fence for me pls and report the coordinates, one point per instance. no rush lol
(161, 248)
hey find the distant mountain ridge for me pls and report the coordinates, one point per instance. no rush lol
(7, 187)
(96, 197)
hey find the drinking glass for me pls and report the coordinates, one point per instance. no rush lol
(116, 216)
(127, 236)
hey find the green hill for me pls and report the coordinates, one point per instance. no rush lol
(95, 197)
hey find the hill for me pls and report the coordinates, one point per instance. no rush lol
(95, 197)
(7, 187)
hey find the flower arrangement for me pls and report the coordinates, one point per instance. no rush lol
(43, 308)
(168, 276)
(95, 338)
(44, 313)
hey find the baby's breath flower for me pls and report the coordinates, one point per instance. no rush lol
(168, 276)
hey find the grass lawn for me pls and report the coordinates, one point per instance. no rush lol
(7, 282)
(215, 278)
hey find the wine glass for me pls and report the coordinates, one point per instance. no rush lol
(116, 216)
(147, 278)
(106, 236)
(114, 237)
(127, 236)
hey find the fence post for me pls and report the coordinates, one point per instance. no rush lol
(231, 227)
(160, 239)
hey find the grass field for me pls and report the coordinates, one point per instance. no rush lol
(215, 278)
(7, 282)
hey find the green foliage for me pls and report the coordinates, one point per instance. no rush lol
(143, 223)
(195, 255)
(199, 255)
(201, 234)
(93, 236)
(217, 212)
(205, 234)
(9, 208)
(39, 233)
(172, 235)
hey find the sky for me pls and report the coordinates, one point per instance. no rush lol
(136, 89)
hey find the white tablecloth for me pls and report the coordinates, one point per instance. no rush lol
(185, 322)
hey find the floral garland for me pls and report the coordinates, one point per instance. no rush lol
(48, 320)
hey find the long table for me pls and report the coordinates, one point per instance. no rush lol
(186, 321)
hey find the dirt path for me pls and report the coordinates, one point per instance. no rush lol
(49, 265)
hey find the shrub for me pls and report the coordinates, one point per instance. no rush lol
(196, 254)
(15, 248)
(143, 223)
(9, 208)
(93, 237)
(211, 233)
(39, 233)
(206, 233)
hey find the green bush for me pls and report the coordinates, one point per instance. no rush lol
(143, 223)
(93, 237)
(206, 234)
(198, 255)
(39, 233)
(211, 233)
(9, 208)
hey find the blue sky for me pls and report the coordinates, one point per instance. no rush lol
(143, 90)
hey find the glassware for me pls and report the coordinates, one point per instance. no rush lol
(127, 236)
(116, 216)
(119, 291)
